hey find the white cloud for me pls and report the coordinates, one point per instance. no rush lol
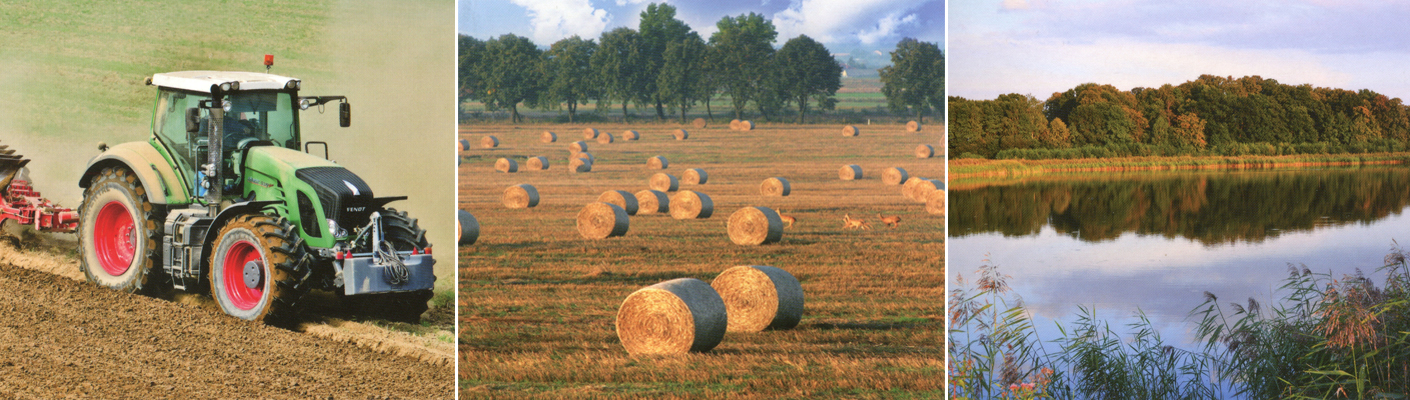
(830, 21)
(626, 2)
(885, 28)
(553, 20)
(1014, 5)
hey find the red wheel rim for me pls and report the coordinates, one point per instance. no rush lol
(233, 273)
(114, 238)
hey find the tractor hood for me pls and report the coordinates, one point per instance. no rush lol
(342, 195)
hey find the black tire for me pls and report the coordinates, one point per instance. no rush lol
(279, 279)
(118, 233)
(404, 234)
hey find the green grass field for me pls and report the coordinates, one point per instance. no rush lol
(538, 302)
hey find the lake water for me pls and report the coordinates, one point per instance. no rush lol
(1159, 240)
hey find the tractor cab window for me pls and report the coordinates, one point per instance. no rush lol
(172, 107)
(262, 115)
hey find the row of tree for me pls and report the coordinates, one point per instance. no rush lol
(1197, 116)
(664, 64)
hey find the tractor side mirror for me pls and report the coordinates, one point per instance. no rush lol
(344, 114)
(193, 120)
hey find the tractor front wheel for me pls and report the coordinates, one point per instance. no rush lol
(259, 270)
(118, 232)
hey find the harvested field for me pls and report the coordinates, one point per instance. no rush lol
(538, 303)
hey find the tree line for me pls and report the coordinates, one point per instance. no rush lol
(1209, 115)
(663, 64)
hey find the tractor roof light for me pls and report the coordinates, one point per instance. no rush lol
(293, 84)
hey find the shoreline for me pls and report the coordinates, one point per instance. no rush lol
(973, 168)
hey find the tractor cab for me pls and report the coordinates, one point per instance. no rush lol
(243, 109)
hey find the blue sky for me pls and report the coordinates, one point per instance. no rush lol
(832, 22)
(1042, 46)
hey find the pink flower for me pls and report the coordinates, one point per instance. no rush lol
(1028, 386)
(1013, 387)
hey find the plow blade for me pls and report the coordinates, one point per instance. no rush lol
(10, 164)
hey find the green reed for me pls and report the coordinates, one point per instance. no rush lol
(1324, 338)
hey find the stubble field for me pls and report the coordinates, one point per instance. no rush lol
(538, 303)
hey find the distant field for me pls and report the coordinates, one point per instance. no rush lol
(538, 303)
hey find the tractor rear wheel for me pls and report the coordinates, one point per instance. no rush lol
(405, 235)
(118, 232)
(260, 268)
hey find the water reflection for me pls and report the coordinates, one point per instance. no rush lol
(1209, 207)
(1157, 241)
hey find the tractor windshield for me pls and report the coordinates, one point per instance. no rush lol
(263, 115)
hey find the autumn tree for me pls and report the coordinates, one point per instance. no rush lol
(568, 71)
(915, 80)
(806, 70)
(1189, 131)
(743, 46)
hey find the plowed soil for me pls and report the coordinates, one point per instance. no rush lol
(63, 338)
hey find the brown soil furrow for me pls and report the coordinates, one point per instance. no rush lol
(61, 338)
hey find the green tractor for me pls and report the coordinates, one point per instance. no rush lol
(226, 199)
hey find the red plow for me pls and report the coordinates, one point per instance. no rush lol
(20, 203)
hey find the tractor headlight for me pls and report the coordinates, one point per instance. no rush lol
(303, 104)
(335, 230)
(225, 105)
(293, 84)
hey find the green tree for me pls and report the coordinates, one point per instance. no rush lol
(915, 80)
(658, 29)
(1058, 136)
(472, 54)
(744, 45)
(807, 70)
(568, 69)
(679, 82)
(617, 64)
(510, 73)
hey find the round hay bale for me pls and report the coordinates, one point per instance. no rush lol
(698, 123)
(585, 157)
(691, 205)
(734, 124)
(576, 165)
(621, 198)
(680, 134)
(578, 147)
(775, 186)
(935, 202)
(695, 176)
(850, 172)
(657, 162)
(489, 142)
(913, 126)
(664, 182)
(601, 220)
(605, 138)
(753, 226)
(590, 133)
(537, 163)
(631, 135)
(925, 151)
(548, 137)
(746, 125)
(652, 202)
(894, 176)
(672, 317)
(759, 297)
(520, 196)
(917, 188)
(467, 228)
(849, 131)
(464, 145)
(506, 165)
